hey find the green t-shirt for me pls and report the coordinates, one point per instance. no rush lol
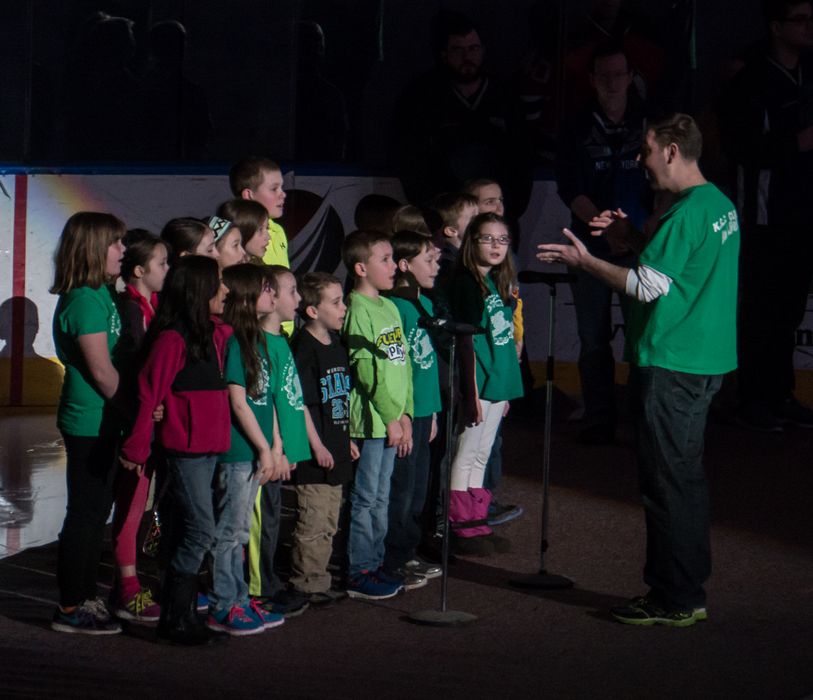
(692, 328)
(287, 392)
(242, 450)
(425, 380)
(498, 374)
(83, 411)
(382, 376)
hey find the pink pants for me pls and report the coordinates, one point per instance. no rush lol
(132, 490)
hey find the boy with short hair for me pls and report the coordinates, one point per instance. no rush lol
(380, 407)
(323, 371)
(454, 210)
(260, 179)
(417, 264)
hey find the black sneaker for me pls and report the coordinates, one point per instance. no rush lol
(286, 602)
(83, 621)
(499, 514)
(642, 611)
(792, 412)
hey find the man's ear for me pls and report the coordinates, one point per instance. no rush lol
(311, 312)
(450, 232)
(360, 269)
(673, 151)
(247, 193)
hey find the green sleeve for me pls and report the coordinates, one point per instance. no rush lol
(234, 371)
(85, 314)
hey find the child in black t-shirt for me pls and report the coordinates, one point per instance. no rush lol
(323, 371)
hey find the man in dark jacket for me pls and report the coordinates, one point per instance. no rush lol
(768, 123)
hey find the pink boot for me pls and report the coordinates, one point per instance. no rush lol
(470, 506)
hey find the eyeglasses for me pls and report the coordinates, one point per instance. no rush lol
(491, 240)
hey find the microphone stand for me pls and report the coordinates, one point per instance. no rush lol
(543, 579)
(445, 617)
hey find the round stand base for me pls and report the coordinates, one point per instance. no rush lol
(542, 581)
(440, 618)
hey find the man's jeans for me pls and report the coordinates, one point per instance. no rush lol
(235, 492)
(670, 410)
(192, 488)
(369, 500)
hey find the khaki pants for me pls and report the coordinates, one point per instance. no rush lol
(317, 523)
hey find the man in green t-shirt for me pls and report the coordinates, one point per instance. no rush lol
(682, 337)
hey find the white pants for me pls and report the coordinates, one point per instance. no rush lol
(474, 448)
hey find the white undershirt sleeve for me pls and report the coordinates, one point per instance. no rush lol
(646, 284)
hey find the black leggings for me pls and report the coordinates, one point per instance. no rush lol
(90, 474)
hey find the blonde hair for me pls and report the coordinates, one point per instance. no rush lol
(81, 256)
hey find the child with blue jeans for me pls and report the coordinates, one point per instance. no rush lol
(380, 407)
(255, 455)
(184, 372)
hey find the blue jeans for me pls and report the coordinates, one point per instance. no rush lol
(192, 488)
(235, 492)
(670, 410)
(410, 479)
(369, 500)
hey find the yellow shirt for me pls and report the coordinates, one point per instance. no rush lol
(276, 253)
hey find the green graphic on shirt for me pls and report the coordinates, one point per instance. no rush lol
(293, 388)
(420, 348)
(502, 330)
(262, 399)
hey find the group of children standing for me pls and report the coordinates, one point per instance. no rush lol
(193, 372)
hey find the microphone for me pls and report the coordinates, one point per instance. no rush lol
(534, 277)
(445, 324)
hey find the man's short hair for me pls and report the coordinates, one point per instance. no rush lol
(681, 130)
(357, 248)
(249, 172)
(450, 205)
(449, 23)
(776, 10)
(610, 47)
(311, 285)
(473, 186)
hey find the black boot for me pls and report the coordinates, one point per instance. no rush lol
(179, 623)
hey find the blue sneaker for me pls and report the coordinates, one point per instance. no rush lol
(367, 586)
(266, 617)
(202, 603)
(237, 622)
(83, 621)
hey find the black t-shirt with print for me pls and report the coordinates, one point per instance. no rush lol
(323, 372)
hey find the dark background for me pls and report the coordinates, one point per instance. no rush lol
(245, 58)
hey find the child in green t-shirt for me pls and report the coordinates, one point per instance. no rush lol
(255, 455)
(489, 374)
(86, 330)
(417, 262)
(380, 407)
(286, 390)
